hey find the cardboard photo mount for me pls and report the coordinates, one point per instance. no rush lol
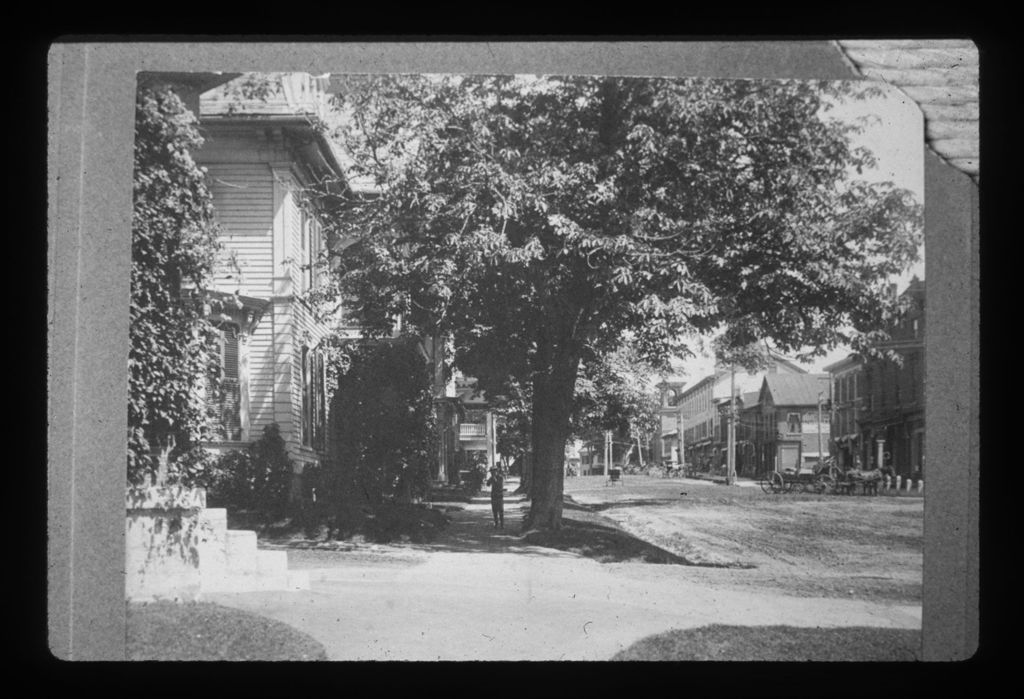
(91, 121)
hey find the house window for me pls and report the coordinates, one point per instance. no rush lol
(793, 423)
(307, 398)
(314, 398)
(304, 260)
(223, 397)
(311, 245)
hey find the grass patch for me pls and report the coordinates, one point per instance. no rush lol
(778, 643)
(204, 631)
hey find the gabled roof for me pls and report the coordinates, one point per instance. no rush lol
(847, 362)
(795, 389)
(750, 398)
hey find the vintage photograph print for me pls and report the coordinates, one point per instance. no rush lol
(525, 367)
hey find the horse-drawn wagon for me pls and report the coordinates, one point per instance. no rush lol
(820, 479)
(825, 478)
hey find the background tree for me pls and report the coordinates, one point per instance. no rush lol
(381, 437)
(514, 433)
(542, 220)
(174, 244)
(616, 393)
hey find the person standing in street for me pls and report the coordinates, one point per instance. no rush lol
(497, 483)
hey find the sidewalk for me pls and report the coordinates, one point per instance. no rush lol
(481, 594)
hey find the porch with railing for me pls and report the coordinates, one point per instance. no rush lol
(472, 430)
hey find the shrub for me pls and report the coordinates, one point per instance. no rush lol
(255, 479)
(393, 521)
(474, 478)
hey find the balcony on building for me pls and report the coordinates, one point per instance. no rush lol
(471, 431)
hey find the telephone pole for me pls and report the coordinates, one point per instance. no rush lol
(679, 435)
(607, 451)
(682, 444)
(730, 473)
(821, 458)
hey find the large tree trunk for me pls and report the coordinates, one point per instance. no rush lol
(526, 474)
(552, 409)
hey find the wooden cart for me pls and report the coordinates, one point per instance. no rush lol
(821, 479)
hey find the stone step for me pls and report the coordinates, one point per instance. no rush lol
(241, 582)
(272, 562)
(214, 520)
(242, 556)
(287, 581)
(230, 561)
(212, 535)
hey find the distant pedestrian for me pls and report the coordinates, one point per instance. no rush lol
(497, 483)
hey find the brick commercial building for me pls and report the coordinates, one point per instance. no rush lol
(888, 394)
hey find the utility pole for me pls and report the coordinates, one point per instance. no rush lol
(679, 435)
(730, 473)
(821, 458)
(682, 446)
(607, 451)
(639, 447)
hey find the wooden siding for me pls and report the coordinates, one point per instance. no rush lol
(255, 190)
(243, 199)
(309, 333)
(293, 227)
(261, 376)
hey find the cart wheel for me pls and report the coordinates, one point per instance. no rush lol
(766, 484)
(825, 484)
(778, 483)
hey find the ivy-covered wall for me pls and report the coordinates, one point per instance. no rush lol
(174, 246)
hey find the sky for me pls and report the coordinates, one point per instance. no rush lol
(895, 135)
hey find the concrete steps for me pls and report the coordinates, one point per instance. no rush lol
(229, 560)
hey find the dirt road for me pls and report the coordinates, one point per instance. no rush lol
(482, 594)
(868, 548)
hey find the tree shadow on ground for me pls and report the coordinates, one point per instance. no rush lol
(603, 543)
(583, 533)
(467, 527)
(633, 502)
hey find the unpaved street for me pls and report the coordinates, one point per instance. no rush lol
(857, 547)
(481, 594)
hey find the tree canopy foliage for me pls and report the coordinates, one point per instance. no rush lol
(174, 245)
(382, 440)
(616, 393)
(540, 220)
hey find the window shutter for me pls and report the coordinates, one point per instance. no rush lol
(305, 423)
(226, 402)
(229, 355)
